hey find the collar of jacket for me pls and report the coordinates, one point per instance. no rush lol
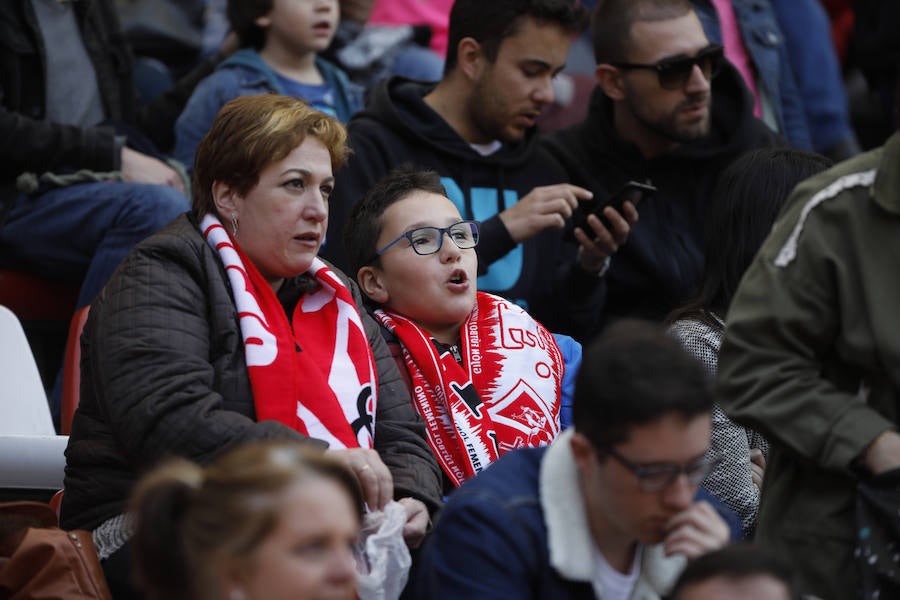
(886, 187)
(256, 67)
(569, 534)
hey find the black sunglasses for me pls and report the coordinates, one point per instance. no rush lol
(674, 73)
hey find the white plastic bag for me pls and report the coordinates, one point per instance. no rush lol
(383, 560)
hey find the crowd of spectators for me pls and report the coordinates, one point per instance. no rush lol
(693, 393)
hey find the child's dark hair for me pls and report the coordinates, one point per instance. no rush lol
(365, 221)
(242, 15)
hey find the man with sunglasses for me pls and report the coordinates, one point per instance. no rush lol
(476, 128)
(668, 110)
(610, 509)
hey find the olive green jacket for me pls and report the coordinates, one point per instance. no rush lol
(811, 358)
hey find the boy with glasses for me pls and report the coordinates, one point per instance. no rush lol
(608, 510)
(484, 375)
(669, 110)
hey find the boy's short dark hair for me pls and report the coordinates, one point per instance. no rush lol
(242, 15)
(489, 22)
(364, 224)
(735, 562)
(612, 20)
(634, 374)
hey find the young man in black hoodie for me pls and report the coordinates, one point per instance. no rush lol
(667, 110)
(476, 129)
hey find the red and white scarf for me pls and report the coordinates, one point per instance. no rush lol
(505, 395)
(316, 373)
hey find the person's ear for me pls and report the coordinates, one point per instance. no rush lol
(372, 284)
(263, 21)
(610, 80)
(233, 576)
(582, 451)
(470, 59)
(225, 198)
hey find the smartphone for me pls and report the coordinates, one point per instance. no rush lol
(633, 191)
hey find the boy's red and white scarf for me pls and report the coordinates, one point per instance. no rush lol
(317, 376)
(505, 395)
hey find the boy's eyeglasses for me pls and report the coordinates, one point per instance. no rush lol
(428, 240)
(657, 477)
(674, 73)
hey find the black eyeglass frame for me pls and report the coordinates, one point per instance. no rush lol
(681, 66)
(408, 235)
(695, 472)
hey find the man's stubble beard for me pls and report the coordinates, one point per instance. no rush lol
(669, 129)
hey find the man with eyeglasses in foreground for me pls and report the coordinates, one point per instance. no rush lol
(483, 374)
(609, 510)
(668, 110)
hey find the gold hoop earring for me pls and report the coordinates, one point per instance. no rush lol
(234, 224)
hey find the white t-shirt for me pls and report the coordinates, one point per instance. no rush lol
(487, 149)
(609, 584)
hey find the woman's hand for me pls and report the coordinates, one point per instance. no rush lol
(757, 466)
(374, 477)
(416, 521)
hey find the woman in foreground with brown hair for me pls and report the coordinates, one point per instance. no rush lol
(267, 520)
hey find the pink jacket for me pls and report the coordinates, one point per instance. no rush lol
(434, 13)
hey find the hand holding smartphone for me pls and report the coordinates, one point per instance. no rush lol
(633, 192)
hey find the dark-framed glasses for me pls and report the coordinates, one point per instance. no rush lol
(674, 73)
(428, 240)
(657, 477)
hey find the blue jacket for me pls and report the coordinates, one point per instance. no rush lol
(768, 50)
(571, 352)
(241, 74)
(811, 52)
(492, 538)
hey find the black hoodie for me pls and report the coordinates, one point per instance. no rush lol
(397, 127)
(661, 264)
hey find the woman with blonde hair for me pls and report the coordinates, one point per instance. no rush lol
(267, 520)
(226, 327)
